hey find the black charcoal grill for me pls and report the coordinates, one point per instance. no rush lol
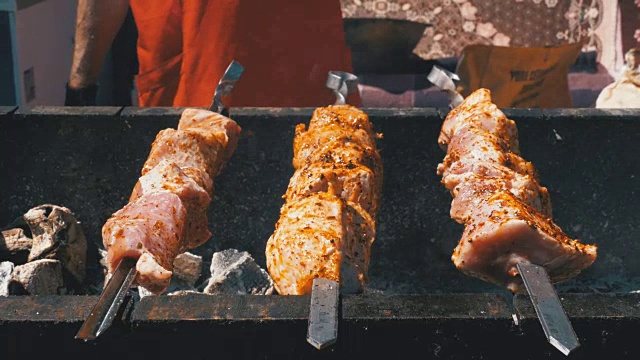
(419, 305)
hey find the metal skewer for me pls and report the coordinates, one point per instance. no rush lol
(110, 301)
(323, 314)
(553, 318)
(325, 294)
(225, 85)
(342, 83)
(114, 293)
(444, 80)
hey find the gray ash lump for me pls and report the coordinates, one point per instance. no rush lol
(6, 269)
(15, 246)
(43, 253)
(234, 272)
(187, 267)
(39, 277)
(58, 235)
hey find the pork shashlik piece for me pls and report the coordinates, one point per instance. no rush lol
(503, 231)
(506, 212)
(327, 224)
(167, 211)
(320, 235)
(478, 110)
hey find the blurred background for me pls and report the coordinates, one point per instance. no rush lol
(394, 44)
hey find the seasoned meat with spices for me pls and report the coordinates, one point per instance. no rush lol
(478, 111)
(153, 224)
(504, 231)
(225, 130)
(498, 196)
(474, 188)
(327, 223)
(167, 210)
(351, 182)
(167, 176)
(320, 236)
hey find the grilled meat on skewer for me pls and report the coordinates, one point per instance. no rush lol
(327, 223)
(497, 195)
(167, 211)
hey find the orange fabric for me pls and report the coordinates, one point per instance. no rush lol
(286, 47)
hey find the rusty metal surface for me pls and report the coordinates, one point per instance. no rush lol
(455, 326)
(429, 306)
(589, 306)
(201, 307)
(71, 309)
(606, 325)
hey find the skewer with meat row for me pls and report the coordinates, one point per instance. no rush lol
(322, 330)
(509, 232)
(322, 241)
(173, 193)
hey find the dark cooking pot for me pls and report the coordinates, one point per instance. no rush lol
(383, 45)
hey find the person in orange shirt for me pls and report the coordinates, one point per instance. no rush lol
(184, 46)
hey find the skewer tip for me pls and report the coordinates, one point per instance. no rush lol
(323, 314)
(112, 297)
(565, 348)
(553, 318)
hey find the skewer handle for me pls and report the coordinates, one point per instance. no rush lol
(323, 314)
(443, 79)
(342, 83)
(225, 85)
(554, 319)
(110, 301)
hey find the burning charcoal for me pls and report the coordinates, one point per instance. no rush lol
(187, 267)
(15, 246)
(234, 272)
(57, 235)
(6, 269)
(40, 277)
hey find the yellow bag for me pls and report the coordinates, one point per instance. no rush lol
(519, 76)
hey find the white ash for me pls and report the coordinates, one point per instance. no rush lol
(234, 272)
(184, 292)
(6, 269)
(15, 246)
(58, 235)
(39, 277)
(103, 258)
(188, 267)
